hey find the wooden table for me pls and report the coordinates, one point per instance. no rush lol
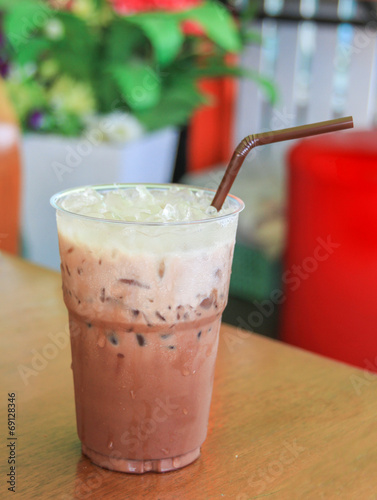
(285, 424)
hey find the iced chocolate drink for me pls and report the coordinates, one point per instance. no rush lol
(145, 274)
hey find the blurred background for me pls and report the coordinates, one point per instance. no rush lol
(104, 91)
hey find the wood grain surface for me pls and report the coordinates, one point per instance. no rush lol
(284, 423)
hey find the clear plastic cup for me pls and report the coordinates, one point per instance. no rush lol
(145, 302)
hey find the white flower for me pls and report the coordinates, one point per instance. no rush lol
(54, 29)
(116, 127)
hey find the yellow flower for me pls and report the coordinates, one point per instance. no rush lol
(95, 15)
(48, 69)
(83, 8)
(25, 96)
(72, 96)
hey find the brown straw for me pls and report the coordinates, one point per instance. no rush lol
(286, 134)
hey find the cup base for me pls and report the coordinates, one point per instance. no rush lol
(141, 466)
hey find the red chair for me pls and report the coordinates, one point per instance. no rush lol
(330, 271)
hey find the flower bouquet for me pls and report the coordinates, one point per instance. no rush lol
(68, 62)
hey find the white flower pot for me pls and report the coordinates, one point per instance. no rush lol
(53, 163)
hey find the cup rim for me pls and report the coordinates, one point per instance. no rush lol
(54, 201)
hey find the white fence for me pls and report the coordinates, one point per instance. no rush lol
(321, 70)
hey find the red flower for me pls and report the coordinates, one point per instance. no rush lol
(134, 6)
(192, 28)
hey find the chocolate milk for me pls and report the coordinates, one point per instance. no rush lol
(145, 304)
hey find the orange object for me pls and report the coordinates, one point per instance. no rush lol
(10, 176)
(210, 135)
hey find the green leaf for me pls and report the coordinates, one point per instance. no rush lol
(249, 12)
(217, 23)
(7, 5)
(252, 37)
(75, 53)
(219, 71)
(97, 3)
(66, 124)
(139, 84)
(61, 123)
(31, 51)
(107, 93)
(123, 40)
(78, 35)
(176, 106)
(164, 34)
(73, 64)
(22, 19)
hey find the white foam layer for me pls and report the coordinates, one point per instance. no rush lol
(202, 230)
(139, 204)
